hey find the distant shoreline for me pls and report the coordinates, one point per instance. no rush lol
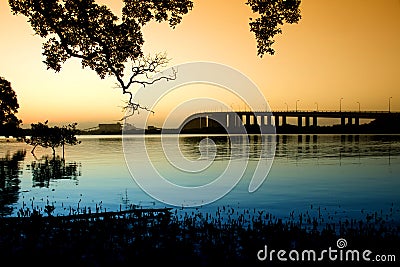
(287, 129)
(378, 126)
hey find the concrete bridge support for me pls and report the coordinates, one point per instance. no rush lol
(350, 121)
(243, 119)
(300, 121)
(357, 121)
(307, 121)
(315, 121)
(276, 119)
(260, 120)
(231, 120)
(269, 120)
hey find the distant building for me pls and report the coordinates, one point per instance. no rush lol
(152, 129)
(110, 128)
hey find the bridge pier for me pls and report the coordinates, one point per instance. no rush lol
(343, 121)
(284, 120)
(269, 120)
(260, 120)
(203, 122)
(315, 121)
(349, 120)
(231, 121)
(307, 121)
(357, 121)
(299, 121)
(276, 120)
(248, 119)
(243, 119)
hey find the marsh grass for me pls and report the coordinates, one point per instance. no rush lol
(228, 237)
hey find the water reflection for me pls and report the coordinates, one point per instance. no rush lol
(10, 170)
(228, 147)
(305, 170)
(337, 146)
(50, 168)
(293, 147)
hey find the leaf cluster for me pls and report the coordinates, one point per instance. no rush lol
(52, 137)
(272, 15)
(92, 33)
(8, 106)
(106, 43)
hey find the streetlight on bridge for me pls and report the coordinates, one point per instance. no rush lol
(317, 105)
(296, 104)
(359, 109)
(340, 104)
(287, 107)
(389, 103)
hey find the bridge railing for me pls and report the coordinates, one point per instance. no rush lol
(301, 110)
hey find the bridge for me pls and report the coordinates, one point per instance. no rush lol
(235, 119)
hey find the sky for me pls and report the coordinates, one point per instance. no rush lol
(339, 49)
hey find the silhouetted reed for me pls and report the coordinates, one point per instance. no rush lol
(229, 236)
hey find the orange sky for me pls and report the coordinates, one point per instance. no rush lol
(340, 48)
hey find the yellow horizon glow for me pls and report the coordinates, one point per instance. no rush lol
(339, 49)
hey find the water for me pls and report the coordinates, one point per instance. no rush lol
(338, 176)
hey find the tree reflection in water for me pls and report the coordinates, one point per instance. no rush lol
(10, 170)
(50, 168)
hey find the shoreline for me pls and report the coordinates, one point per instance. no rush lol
(194, 239)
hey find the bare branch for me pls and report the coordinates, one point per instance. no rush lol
(102, 42)
(142, 72)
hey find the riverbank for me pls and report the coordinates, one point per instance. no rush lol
(180, 238)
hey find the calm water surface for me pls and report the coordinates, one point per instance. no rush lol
(344, 176)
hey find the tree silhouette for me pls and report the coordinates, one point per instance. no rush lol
(9, 123)
(103, 42)
(52, 137)
(67, 135)
(272, 14)
(106, 43)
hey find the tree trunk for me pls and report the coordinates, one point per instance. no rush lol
(33, 149)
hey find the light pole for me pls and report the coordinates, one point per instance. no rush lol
(340, 104)
(287, 107)
(317, 105)
(359, 109)
(389, 103)
(296, 104)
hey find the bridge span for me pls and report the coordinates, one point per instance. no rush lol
(279, 118)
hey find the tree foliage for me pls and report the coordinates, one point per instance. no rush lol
(272, 14)
(106, 43)
(41, 134)
(9, 123)
(103, 42)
